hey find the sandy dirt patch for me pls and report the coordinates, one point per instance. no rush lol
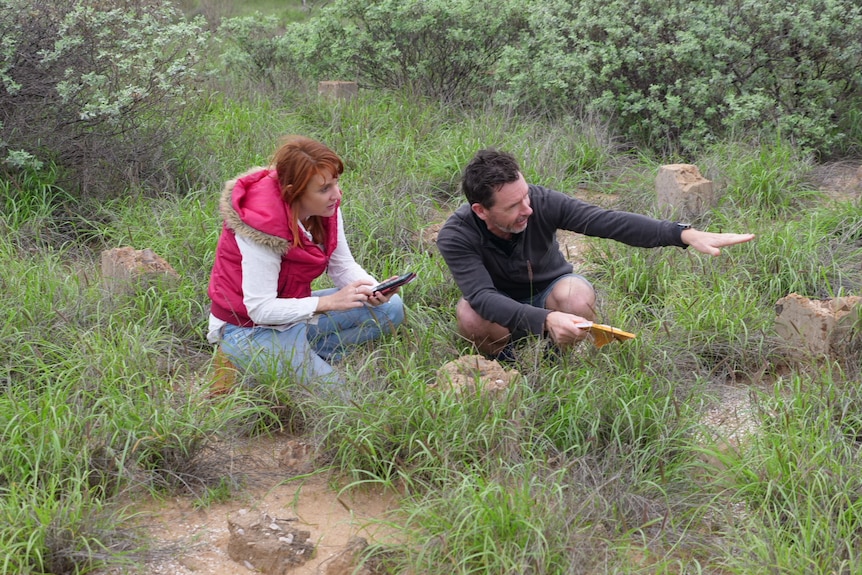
(194, 541)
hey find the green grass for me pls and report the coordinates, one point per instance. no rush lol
(592, 463)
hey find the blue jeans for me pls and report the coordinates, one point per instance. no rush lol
(303, 351)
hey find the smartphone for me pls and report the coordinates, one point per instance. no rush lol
(389, 285)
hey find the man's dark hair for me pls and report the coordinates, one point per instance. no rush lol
(485, 173)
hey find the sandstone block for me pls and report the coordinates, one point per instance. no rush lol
(128, 269)
(268, 544)
(337, 89)
(818, 327)
(470, 373)
(682, 192)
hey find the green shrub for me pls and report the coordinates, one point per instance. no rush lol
(670, 71)
(98, 91)
(442, 49)
(254, 47)
(669, 74)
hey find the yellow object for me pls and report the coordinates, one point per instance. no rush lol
(602, 334)
(224, 374)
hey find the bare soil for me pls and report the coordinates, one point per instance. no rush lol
(190, 540)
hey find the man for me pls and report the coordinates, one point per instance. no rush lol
(502, 251)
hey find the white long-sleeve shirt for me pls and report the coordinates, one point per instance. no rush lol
(260, 269)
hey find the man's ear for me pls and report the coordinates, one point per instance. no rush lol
(479, 210)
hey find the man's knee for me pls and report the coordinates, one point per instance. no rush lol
(489, 337)
(573, 295)
(470, 323)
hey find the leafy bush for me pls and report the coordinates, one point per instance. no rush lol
(97, 89)
(253, 47)
(442, 49)
(671, 71)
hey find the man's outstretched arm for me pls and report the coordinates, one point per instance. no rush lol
(711, 243)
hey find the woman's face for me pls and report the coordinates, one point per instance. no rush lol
(321, 197)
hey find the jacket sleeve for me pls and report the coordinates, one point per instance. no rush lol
(461, 249)
(633, 229)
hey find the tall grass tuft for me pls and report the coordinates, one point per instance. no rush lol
(799, 482)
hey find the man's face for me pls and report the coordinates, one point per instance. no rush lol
(510, 211)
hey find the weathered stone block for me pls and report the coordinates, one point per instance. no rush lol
(818, 327)
(682, 192)
(267, 544)
(127, 269)
(337, 89)
(471, 372)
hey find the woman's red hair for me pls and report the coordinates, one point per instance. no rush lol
(296, 162)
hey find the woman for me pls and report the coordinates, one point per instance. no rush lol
(282, 229)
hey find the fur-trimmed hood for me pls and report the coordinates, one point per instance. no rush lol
(249, 206)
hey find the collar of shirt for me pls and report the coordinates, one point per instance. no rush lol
(506, 245)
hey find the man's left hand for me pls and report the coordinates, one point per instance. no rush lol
(710, 243)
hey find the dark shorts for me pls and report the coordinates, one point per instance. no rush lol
(539, 299)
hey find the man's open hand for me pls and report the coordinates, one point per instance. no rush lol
(710, 243)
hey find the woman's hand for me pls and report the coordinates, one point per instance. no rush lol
(353, 295)
(378, 298)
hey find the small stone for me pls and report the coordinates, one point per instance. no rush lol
(268, 545)
(125, 270)
(470, 373)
